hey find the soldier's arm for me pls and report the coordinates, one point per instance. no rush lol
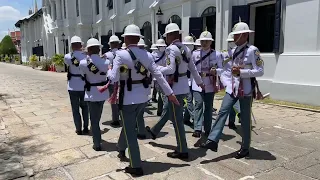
(67, 60)
(114, 73)
(171, 63)
(194, 72)
(152, 67)
(220, 59)
(257, 65)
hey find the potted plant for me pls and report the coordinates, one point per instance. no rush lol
(7, 59)
(17, 59)
(45, 65)
(33, 61)
(58, 61)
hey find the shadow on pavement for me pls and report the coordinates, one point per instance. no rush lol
(108, 146)
(157, 167)
(193, 153)
(255, 154)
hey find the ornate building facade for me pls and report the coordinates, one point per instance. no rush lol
(287, 32)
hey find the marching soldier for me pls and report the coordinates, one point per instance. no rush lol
(197, 44)
(189, 109)
(235, 111)
(154, 91)
(209, 64)
(245, 65)
(178, 62)
(76, 86)
(124, 46)
(133, 93)
(95, 70)
(160, 60)
(114, 43)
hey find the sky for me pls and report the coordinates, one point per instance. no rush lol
(11, 11)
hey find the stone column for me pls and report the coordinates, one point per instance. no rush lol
(219, 25)
(59, 9)
(188, 11)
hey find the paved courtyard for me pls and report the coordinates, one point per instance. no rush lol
(37, 140)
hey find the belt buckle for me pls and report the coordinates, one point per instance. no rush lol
(203, 74)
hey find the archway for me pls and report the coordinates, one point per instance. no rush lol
(175, 19)
(146, 31)
(209, 21)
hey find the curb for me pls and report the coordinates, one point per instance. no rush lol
(280, 105)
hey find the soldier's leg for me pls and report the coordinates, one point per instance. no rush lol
(95, 109)
(154, 93)
(160, 104)
(164, 117)
(245, 106)
(237, 110)
(85, 112)
(232, 116)
(176, 116)
(217, 128)
(114, 108)
(208, 104)
(75, 104)
(198, 111)
(128, 115)
(140, 123)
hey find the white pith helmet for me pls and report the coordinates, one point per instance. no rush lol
(132, 30)
(93, 42)
(123, 46)
(76, 39)
(197, 43)
(172, 27)
(230, 38)
(188, 40)
(153, 47)
(114, 38)
(141, 43)
(240, 28)
(206, 36)
(161, 43)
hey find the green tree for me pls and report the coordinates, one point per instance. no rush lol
(7, 46)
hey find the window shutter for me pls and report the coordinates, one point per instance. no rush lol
(240, 11)
(161, 29)
(277, 27)
(104, 42)
(195, 26)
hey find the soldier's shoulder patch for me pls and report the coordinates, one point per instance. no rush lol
(178, 60)
(257, 52)
(259, 61)
(168, 61)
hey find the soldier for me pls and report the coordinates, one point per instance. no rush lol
(197, 44)
(209, 65)
(76, 86)
(133, 93)
(154, 49)
(160, 60)
(178, 62)
(95, 70)
(124, 46)
(235, 111)
(245, 65)
(142, 44)
(114, 44)
(188, 110)
(155, 91)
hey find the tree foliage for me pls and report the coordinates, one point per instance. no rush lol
(7, 46)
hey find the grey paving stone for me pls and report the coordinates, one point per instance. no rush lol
(282, 173)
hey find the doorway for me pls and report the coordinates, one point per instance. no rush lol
(209, 22)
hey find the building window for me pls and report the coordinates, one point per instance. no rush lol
(110, 4)
(65, 9)
(77, 8)
(209, 22)
(264, 27)
(110, 32)
(147, 33)
(175, 19)
(97, 7)
(127, 1)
